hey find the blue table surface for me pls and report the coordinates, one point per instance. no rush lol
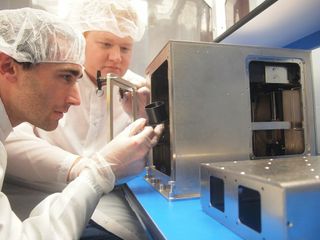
(178, 219)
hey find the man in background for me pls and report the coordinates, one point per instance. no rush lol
(52, 159)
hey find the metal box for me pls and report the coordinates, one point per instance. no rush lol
(227, 102)
(265, 199)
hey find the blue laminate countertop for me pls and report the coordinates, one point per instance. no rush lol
(178, 219)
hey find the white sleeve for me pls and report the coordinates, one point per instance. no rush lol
(135, 78)
(59, 216)
(35, 160)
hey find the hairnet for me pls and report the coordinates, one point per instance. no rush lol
(32, 35)
(119, 17)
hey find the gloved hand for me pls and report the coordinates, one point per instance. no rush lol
(96, 170)
(143, 98)
(127, 152)
(124, 156)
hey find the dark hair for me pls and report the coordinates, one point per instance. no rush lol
(25, 65)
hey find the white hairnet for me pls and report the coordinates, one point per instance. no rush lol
(119, 17)
(32, 35)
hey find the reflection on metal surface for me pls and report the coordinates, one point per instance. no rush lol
(175, 20)
(164, 9)
(188, 16)
(235, 13)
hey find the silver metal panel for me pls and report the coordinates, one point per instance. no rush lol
(289, 191)
(316, 82)
(209, 107)
(270, 125)
(174, 19)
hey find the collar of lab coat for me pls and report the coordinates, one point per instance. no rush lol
(87, 81)
(5, 124)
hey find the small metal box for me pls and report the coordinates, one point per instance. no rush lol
(227, 102)
(264, 199)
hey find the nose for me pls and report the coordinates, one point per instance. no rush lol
(115, 54)
(74, 96)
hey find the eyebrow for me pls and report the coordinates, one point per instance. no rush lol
(107, 39)
(75, 73)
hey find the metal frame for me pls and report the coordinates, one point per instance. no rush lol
(110, 81)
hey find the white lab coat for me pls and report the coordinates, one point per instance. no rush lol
(49, 155)
(60, 216)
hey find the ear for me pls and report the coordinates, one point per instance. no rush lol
(7, 67)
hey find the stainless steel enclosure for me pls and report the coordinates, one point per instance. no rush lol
(227, 102)
(266, 199)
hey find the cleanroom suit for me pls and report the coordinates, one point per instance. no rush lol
(48, 156)
(60, 215)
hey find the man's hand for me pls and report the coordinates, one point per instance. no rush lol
(124, 156)
(143, 98)
(127, 152)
